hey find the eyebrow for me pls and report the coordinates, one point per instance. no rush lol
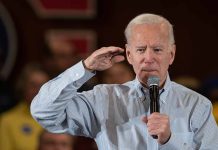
(160, 46)
(142, 46)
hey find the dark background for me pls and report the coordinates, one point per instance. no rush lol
(195, 24)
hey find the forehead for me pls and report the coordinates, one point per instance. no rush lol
(57, 137)
(152, 33)
(37, 77)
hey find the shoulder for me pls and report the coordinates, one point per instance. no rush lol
(188, 95)
(113, 87)
(11, 114)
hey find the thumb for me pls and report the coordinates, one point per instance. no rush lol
(117, 58)
(144, 119)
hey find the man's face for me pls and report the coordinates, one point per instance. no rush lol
(33, 83)
(149, 51)
(51, 141)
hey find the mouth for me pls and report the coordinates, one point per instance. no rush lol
(149, 70)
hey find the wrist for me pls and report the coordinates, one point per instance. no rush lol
(166, 140)
(86, 67)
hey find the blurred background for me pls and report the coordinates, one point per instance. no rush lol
(195, 24)
(55, 34)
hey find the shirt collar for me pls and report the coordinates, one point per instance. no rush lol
(142, 91)
(166, 88)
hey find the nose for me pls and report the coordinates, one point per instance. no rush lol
(149, 55)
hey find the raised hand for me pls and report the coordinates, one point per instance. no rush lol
(104, 58)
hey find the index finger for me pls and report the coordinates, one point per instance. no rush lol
(113, 50)
(154, 115)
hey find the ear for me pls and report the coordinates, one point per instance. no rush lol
(172, 53)
(128, 54)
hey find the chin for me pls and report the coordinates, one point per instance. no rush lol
(148, 74)
(143, 77)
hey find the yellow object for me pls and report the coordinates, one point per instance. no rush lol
(18, 130)
(215, 111)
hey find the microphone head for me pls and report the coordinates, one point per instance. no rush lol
(153, 80)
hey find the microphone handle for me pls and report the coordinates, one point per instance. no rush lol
(154, 101)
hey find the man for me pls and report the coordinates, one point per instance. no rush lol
(52, 141)
(18, 130)
(117, 116)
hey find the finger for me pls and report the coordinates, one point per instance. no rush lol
(144, 119)
(153, 126)
(154, 121)
(154, 132)
(158, 116)
(158, 131)
(117, 58)
(112, 50)
(157, 123)
(116, 52)
(154, 115)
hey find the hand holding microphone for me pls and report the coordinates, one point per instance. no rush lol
(159, 123)
(153, 83)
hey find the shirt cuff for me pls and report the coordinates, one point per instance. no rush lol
(78, 75)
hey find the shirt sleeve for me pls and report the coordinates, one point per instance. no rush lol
(5, 136)
(204, 132)
(49, 107)
(178, 141)
(204, 127)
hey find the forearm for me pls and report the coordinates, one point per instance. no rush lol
(48, 107)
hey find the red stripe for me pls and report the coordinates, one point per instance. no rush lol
(80, 45)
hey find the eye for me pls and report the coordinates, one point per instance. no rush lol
(157, 49)
(140, 50)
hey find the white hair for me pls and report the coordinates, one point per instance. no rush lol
(149, 19)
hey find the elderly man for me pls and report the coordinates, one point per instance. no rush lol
(117, 116)
(52, 141)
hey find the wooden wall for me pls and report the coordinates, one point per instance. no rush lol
(195, 23)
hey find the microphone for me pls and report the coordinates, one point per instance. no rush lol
(153, 83)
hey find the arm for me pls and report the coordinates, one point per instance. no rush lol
(203, 135)
(5, 136)
(204, 127)
(51, 106)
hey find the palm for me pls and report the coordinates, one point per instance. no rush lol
(104, 58)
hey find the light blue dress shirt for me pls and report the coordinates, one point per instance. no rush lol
(111, 114)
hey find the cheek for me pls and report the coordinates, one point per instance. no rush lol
(137, 67)
(164, 65)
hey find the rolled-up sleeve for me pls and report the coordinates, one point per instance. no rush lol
(49, 105)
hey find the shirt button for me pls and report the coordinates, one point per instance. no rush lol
(77, 74)
(75, 84)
